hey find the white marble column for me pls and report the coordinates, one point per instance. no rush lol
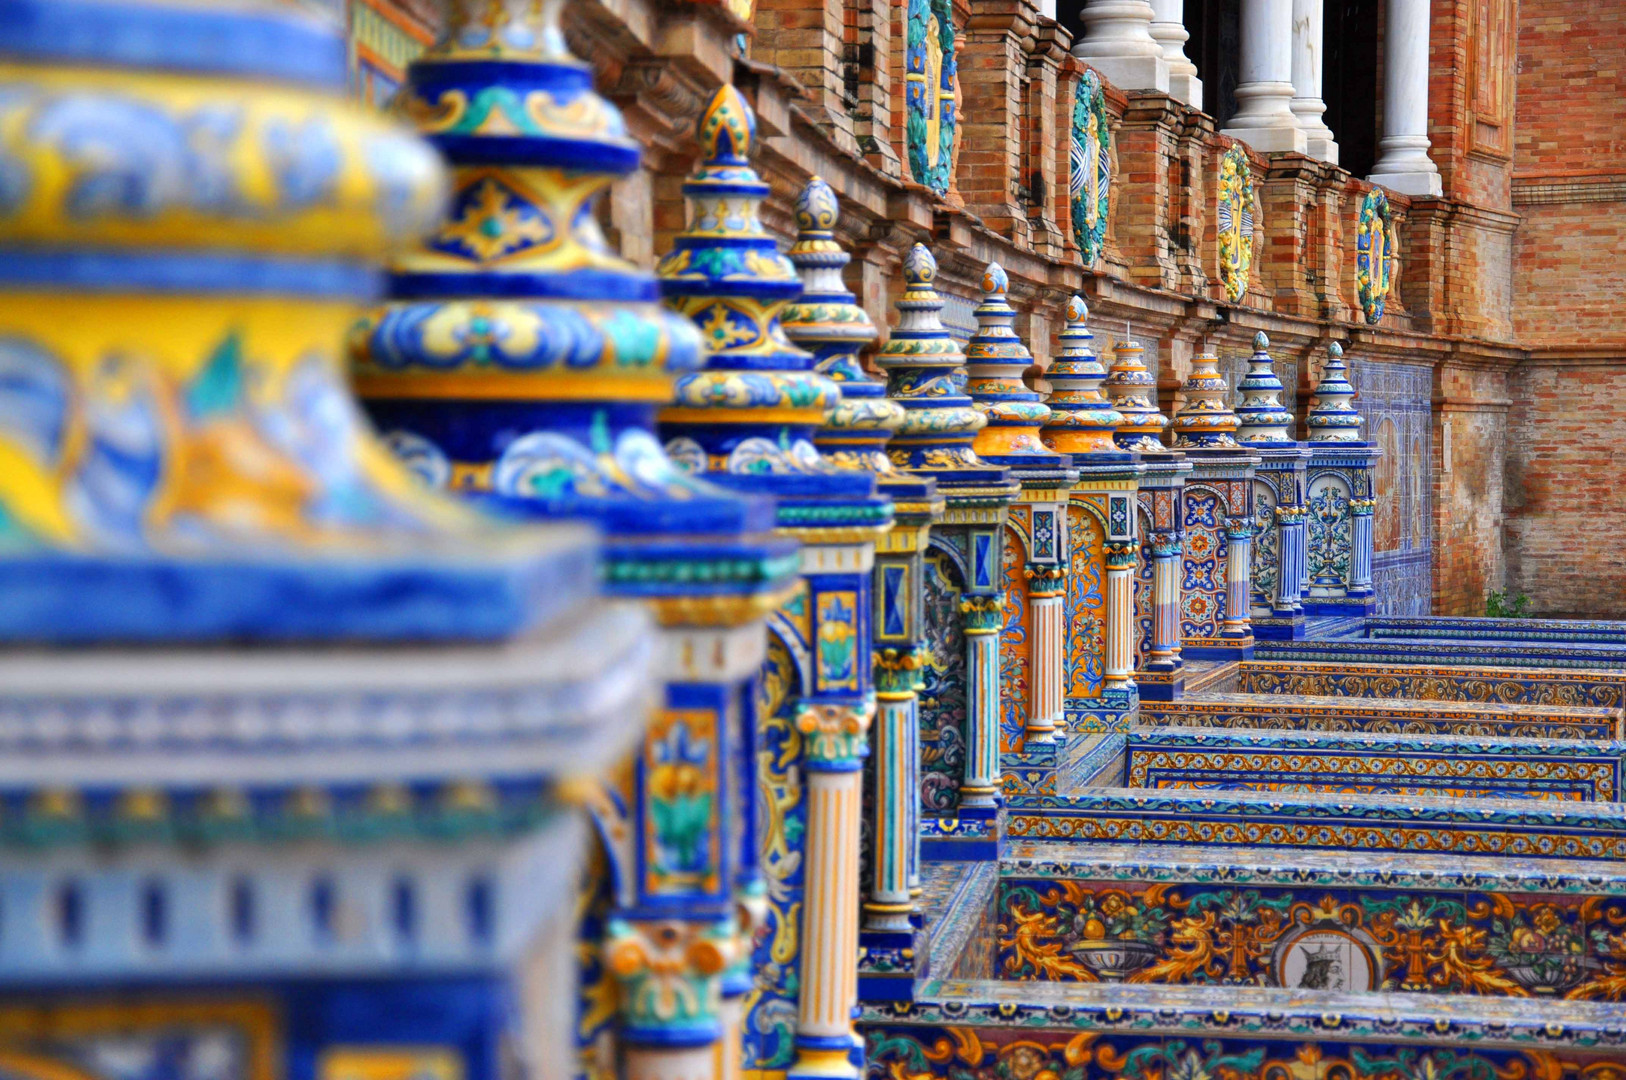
(1403, 161)
(1169, 31)
(1117, 41)
(1264, 117)
(1307, 103)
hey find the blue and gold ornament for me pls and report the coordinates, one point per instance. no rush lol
(751, 414)
(1261, 417)
(926, 375)
(1206, 419)
(1332, 418)
(188, 212)
(1081, 421)
(995, 361)
(828, 322)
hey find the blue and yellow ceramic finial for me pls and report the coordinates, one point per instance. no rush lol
(828, 322)
(1206, 419)
(524, 358)
(728, 129)
(1132, 389)
(1081, 420)
(925, 374)
(1332, 418)
(1261, 417)
(523, 361)
(756, 405)
(192, 210)
(995, 361)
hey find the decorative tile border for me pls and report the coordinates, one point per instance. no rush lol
(1301, 712)
(1374, 764)
(1510, 686)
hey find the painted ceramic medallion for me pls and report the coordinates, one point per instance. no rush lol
(931, 92)
(1238, 209)
(1375, 254)
(1091, 167)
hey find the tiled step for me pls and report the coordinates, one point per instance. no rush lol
(1314, 713)
(1373, 764)
(1473, 628)
(1508, 686)
(1353, 923)
(1446, 651)
(1110, 1031)
(1093, 760)
(1510, 828)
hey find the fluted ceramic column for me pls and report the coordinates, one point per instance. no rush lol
(1117, 41)
(1169, 31)
(911, 802)
(984, 615)
(1264, 118)
(1238, 583)
(1403, 162)
(1046, 648)
(1360, 551)
(1307, 104)
(1120, 615)
(1289, 561)
(888, 902)
(833, 757)
(1165, 602)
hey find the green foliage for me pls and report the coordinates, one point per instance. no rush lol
(1499, 606)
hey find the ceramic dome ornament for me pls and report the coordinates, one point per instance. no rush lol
(1261, 417)
(1133, 393)
(1206, 419)
(1081, 420)
(182, 456)
(995, 361)
(757, 403)
(1332, 418)
(924, 366)
(828, 322)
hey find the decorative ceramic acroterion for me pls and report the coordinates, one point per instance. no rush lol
(1081, 420)
(1133, 392)
(1206, 419)
(1332, 418)
(828, 322)
(995, 360)
(1261, 417)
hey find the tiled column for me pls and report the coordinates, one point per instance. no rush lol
(1289, 562)
(1046, 585)
(1238, 574)
(1166, 547)
(1360, 554)
(888, 902)
(1117, 41)
(1307, 104)
(984, 615)
(1403, 162)
(834, 737)
(1264, 118)
(1120, 615)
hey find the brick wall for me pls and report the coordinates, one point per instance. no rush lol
(1566, 502)
(1566, 447)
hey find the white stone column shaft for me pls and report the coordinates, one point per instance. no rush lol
(1308, 106)
(1117, 41)
(1169, 31)
(1264, 118)
(1403, 162)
